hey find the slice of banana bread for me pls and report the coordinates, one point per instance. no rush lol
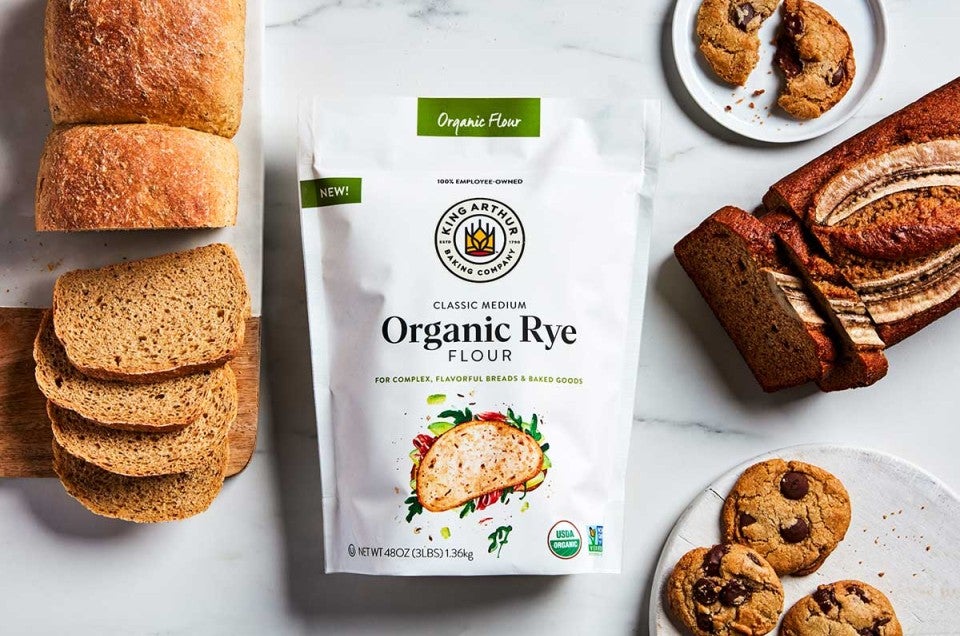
(732, 258)
(153, 319)
(860, 360)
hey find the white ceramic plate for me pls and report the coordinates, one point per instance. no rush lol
(864, 20)
(904, 537)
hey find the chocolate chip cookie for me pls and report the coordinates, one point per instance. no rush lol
(728, 35)
(816, 57)
(726, 589)
(844, 607)
(792, 513)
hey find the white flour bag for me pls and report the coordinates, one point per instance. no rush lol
(475, 274)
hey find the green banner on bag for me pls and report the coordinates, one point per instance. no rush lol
(318, 193)
(478, 117)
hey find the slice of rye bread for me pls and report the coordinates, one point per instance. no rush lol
(153, 319)
(473, 459)
(141, 499)
(933, 117)
(732, 258)
(139, 454)
(159, 406)
(861, 361)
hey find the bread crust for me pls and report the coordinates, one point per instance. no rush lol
(136, 176)
(178, 62)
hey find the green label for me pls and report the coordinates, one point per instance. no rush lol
(318, 193)
(478, 117)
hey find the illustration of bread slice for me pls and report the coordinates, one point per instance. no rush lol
(473, 459)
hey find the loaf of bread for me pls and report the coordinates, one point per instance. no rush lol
(175, 62)
(161, 406)
(141, 499)
(136, 176)
(140, 454)
(156, 318)
(733, 260)
(872, 230)
(885, 207)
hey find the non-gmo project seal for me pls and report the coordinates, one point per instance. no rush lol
(479, 240)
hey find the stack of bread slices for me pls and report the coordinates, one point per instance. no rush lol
(133, 360)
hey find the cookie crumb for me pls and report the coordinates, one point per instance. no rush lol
(928, 549)
(728, 108)
(752, 105)
(880, 574)
(759, 92)
(740, 101)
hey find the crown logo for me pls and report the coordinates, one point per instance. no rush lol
(480, 241)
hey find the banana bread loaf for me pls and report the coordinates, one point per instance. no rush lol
(885, 207)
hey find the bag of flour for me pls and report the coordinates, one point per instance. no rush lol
(475, 275)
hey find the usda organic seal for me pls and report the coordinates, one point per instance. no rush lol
(564, 540)
(479, 240)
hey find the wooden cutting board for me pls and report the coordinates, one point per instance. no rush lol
(25, 436)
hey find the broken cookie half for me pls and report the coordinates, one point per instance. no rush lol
(728, 36)
(815, 55)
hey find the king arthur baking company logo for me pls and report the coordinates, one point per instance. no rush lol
(479, 240)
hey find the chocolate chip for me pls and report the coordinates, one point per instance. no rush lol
(787, 57)
(837, 77)
(795, 533)
(859, 591)
(754, 558)
(825, 598)
(875, 630)
(734, 594)
(794, 485)
(745, 519)
(711, 561)
(705, 592)
(793, 25)
(705, 623)
(742, 14)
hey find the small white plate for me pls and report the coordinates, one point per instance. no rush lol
(904, 537)
(864, 20)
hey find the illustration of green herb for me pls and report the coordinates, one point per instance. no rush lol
(414, 507)
(498, 539)
(469, 507)
(459, 417)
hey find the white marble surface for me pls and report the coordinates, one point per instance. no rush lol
(253, 564)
